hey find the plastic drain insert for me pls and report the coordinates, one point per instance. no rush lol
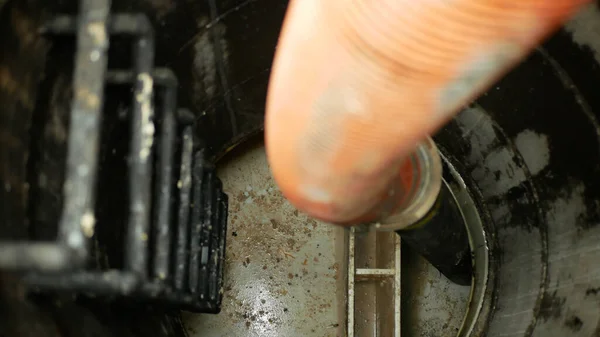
(175, 231)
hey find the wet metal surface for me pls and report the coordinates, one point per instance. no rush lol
(284, 272)
(432, 306)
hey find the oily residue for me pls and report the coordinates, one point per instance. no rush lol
(592, 291)
(574, 323)
(552, 306)
(501, 174)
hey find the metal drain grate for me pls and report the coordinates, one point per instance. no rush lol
(175, 231)
(369, 274)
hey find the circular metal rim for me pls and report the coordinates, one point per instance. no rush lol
(427, 189)
(480, 252)
(479, 302)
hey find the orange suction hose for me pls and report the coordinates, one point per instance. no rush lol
(357, 84)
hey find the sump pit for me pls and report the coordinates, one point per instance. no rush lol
(287, 274)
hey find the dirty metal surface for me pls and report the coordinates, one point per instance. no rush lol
(531, 145)
(374, 278)
(284, 271)
(432, 306)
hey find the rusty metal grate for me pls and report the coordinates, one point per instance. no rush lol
(70, 250)
(175, 230)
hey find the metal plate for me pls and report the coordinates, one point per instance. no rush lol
(284, 272)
